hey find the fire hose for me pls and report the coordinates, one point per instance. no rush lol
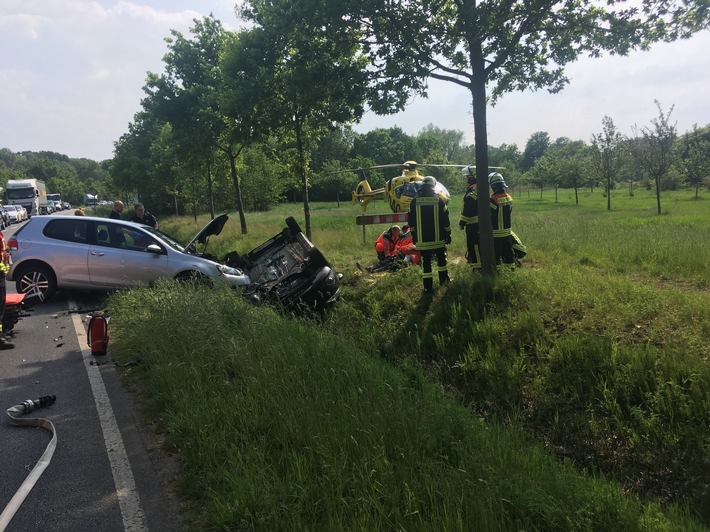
(25, 408)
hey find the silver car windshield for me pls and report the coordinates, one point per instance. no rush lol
(164, 237)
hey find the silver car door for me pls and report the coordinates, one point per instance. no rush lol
(120, 257)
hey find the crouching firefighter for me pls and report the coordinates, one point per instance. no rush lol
(431, 231)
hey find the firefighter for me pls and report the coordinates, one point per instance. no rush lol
(406, 250)
(431, 231)
(469, 218)
(4, 268)
(501, 208)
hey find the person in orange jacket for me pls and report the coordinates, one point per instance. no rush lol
(386, 244)
(406, 249)
(386, 249)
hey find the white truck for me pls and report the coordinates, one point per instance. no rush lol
(30, 193)
(91, 199)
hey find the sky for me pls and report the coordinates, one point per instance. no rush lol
(72, 72)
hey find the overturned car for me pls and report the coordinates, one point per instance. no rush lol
(289, 270)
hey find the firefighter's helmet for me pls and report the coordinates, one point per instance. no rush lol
(429, 181)
(469, 172)
(495, 178)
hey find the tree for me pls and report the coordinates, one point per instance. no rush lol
(563, 164)
(653, 148)
(317, 77)
(693, 155)
(208, 108)
(501, 46)
(537, 145)
(385, 146)
(607, 155)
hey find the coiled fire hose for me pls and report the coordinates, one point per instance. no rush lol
(25, 408)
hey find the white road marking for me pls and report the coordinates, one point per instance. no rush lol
(126, 491)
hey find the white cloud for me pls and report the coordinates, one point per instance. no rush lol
(624, 88)
(72, 73)
(72, 79)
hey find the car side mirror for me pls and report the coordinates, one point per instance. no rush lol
(154, 248)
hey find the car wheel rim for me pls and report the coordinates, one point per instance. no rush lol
(34, 284)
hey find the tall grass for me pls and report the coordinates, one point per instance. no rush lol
(497, 404)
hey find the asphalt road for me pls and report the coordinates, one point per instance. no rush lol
(106, 473)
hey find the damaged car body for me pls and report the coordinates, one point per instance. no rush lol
(288, 269)
(51, 253)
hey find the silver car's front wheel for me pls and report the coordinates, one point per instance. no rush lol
(38, 283)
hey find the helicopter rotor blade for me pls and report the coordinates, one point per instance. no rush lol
(361, 171)
(460, 166)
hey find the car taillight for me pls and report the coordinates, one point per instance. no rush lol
(12, 244)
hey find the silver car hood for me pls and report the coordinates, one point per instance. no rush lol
(214, 227)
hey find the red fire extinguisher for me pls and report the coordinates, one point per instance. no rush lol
(98, 333)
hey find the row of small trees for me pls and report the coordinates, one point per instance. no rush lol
(653, 155)
(301, 67)
(609, 160)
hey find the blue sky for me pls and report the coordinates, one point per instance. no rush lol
(72, 70)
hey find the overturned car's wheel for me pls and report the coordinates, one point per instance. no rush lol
(37, 282)
(292, 224)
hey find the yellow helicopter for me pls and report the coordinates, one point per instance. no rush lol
(400, 190)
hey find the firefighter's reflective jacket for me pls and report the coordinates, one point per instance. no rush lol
(469, 212)
(501, 209)
(429, 221)
(4, 257)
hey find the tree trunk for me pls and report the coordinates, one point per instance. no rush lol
(237, 189)
(608, 194)
(480, 135)
(210, 190)
(576, 196)
(304, 175)
(658, 193)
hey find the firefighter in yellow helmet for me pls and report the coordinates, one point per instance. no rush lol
(4, 268)
(501, 216)
(428, 219)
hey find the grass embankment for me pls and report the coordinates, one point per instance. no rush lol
(451, 414)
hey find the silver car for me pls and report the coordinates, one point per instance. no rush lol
(88, 253)
(13, 213)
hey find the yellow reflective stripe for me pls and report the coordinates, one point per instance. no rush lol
(469, 219)
(502, 232)
(429, 275)
(423, 246)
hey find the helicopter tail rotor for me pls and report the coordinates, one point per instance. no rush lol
(364, 194)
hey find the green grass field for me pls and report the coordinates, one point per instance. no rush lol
(570, 394)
